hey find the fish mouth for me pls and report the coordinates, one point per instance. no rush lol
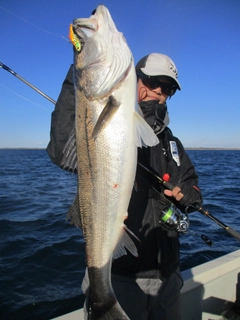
(88, 26)
(81, 29)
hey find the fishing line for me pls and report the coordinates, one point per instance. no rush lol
(39, 28)
(23, 97)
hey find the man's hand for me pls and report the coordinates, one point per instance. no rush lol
(186, 196)
(175, 193)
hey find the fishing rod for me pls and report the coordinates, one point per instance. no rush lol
(198, 208)
(26, 82)
(166, 184)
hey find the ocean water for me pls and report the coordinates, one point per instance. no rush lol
(42, 256)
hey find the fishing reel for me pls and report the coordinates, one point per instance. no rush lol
(173, 219)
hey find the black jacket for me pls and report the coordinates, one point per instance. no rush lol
(63, 118)
(158, 248)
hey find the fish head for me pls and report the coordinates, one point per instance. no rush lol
(102, 58)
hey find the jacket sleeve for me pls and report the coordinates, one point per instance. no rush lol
(63, 119)
(188, 182)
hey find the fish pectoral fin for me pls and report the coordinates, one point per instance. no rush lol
(124, 243)
(144, 134)
(106, 115)
(69, 159)
(74, 213)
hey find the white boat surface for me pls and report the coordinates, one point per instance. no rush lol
(210, 291)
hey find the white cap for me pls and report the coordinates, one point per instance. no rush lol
(157, 64)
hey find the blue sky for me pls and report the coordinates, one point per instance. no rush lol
(202, 38)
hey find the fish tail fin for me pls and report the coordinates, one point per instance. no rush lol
(144, 134)
(115, 312)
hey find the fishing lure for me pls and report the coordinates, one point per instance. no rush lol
(73, 38)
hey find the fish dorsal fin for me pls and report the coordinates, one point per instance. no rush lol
(144, 134)
(106, 115)
(69, 160)
(124, 243)
(74, 213)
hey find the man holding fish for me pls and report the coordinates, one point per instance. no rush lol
(132, 247)
(148, 287)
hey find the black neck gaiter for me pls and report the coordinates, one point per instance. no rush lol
(155, 114)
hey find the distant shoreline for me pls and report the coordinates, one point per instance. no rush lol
(186, 148)
(22, 148)
(203, 148)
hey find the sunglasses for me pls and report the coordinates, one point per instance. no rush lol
(155, 82)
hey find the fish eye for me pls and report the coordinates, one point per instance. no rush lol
(94, 11)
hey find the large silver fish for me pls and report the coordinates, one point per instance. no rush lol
(108, 131)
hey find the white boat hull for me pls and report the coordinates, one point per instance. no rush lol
(209, 291)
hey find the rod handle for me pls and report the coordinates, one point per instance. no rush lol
(168, 185)
(233, 233)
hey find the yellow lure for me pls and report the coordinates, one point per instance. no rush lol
(73, 38)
